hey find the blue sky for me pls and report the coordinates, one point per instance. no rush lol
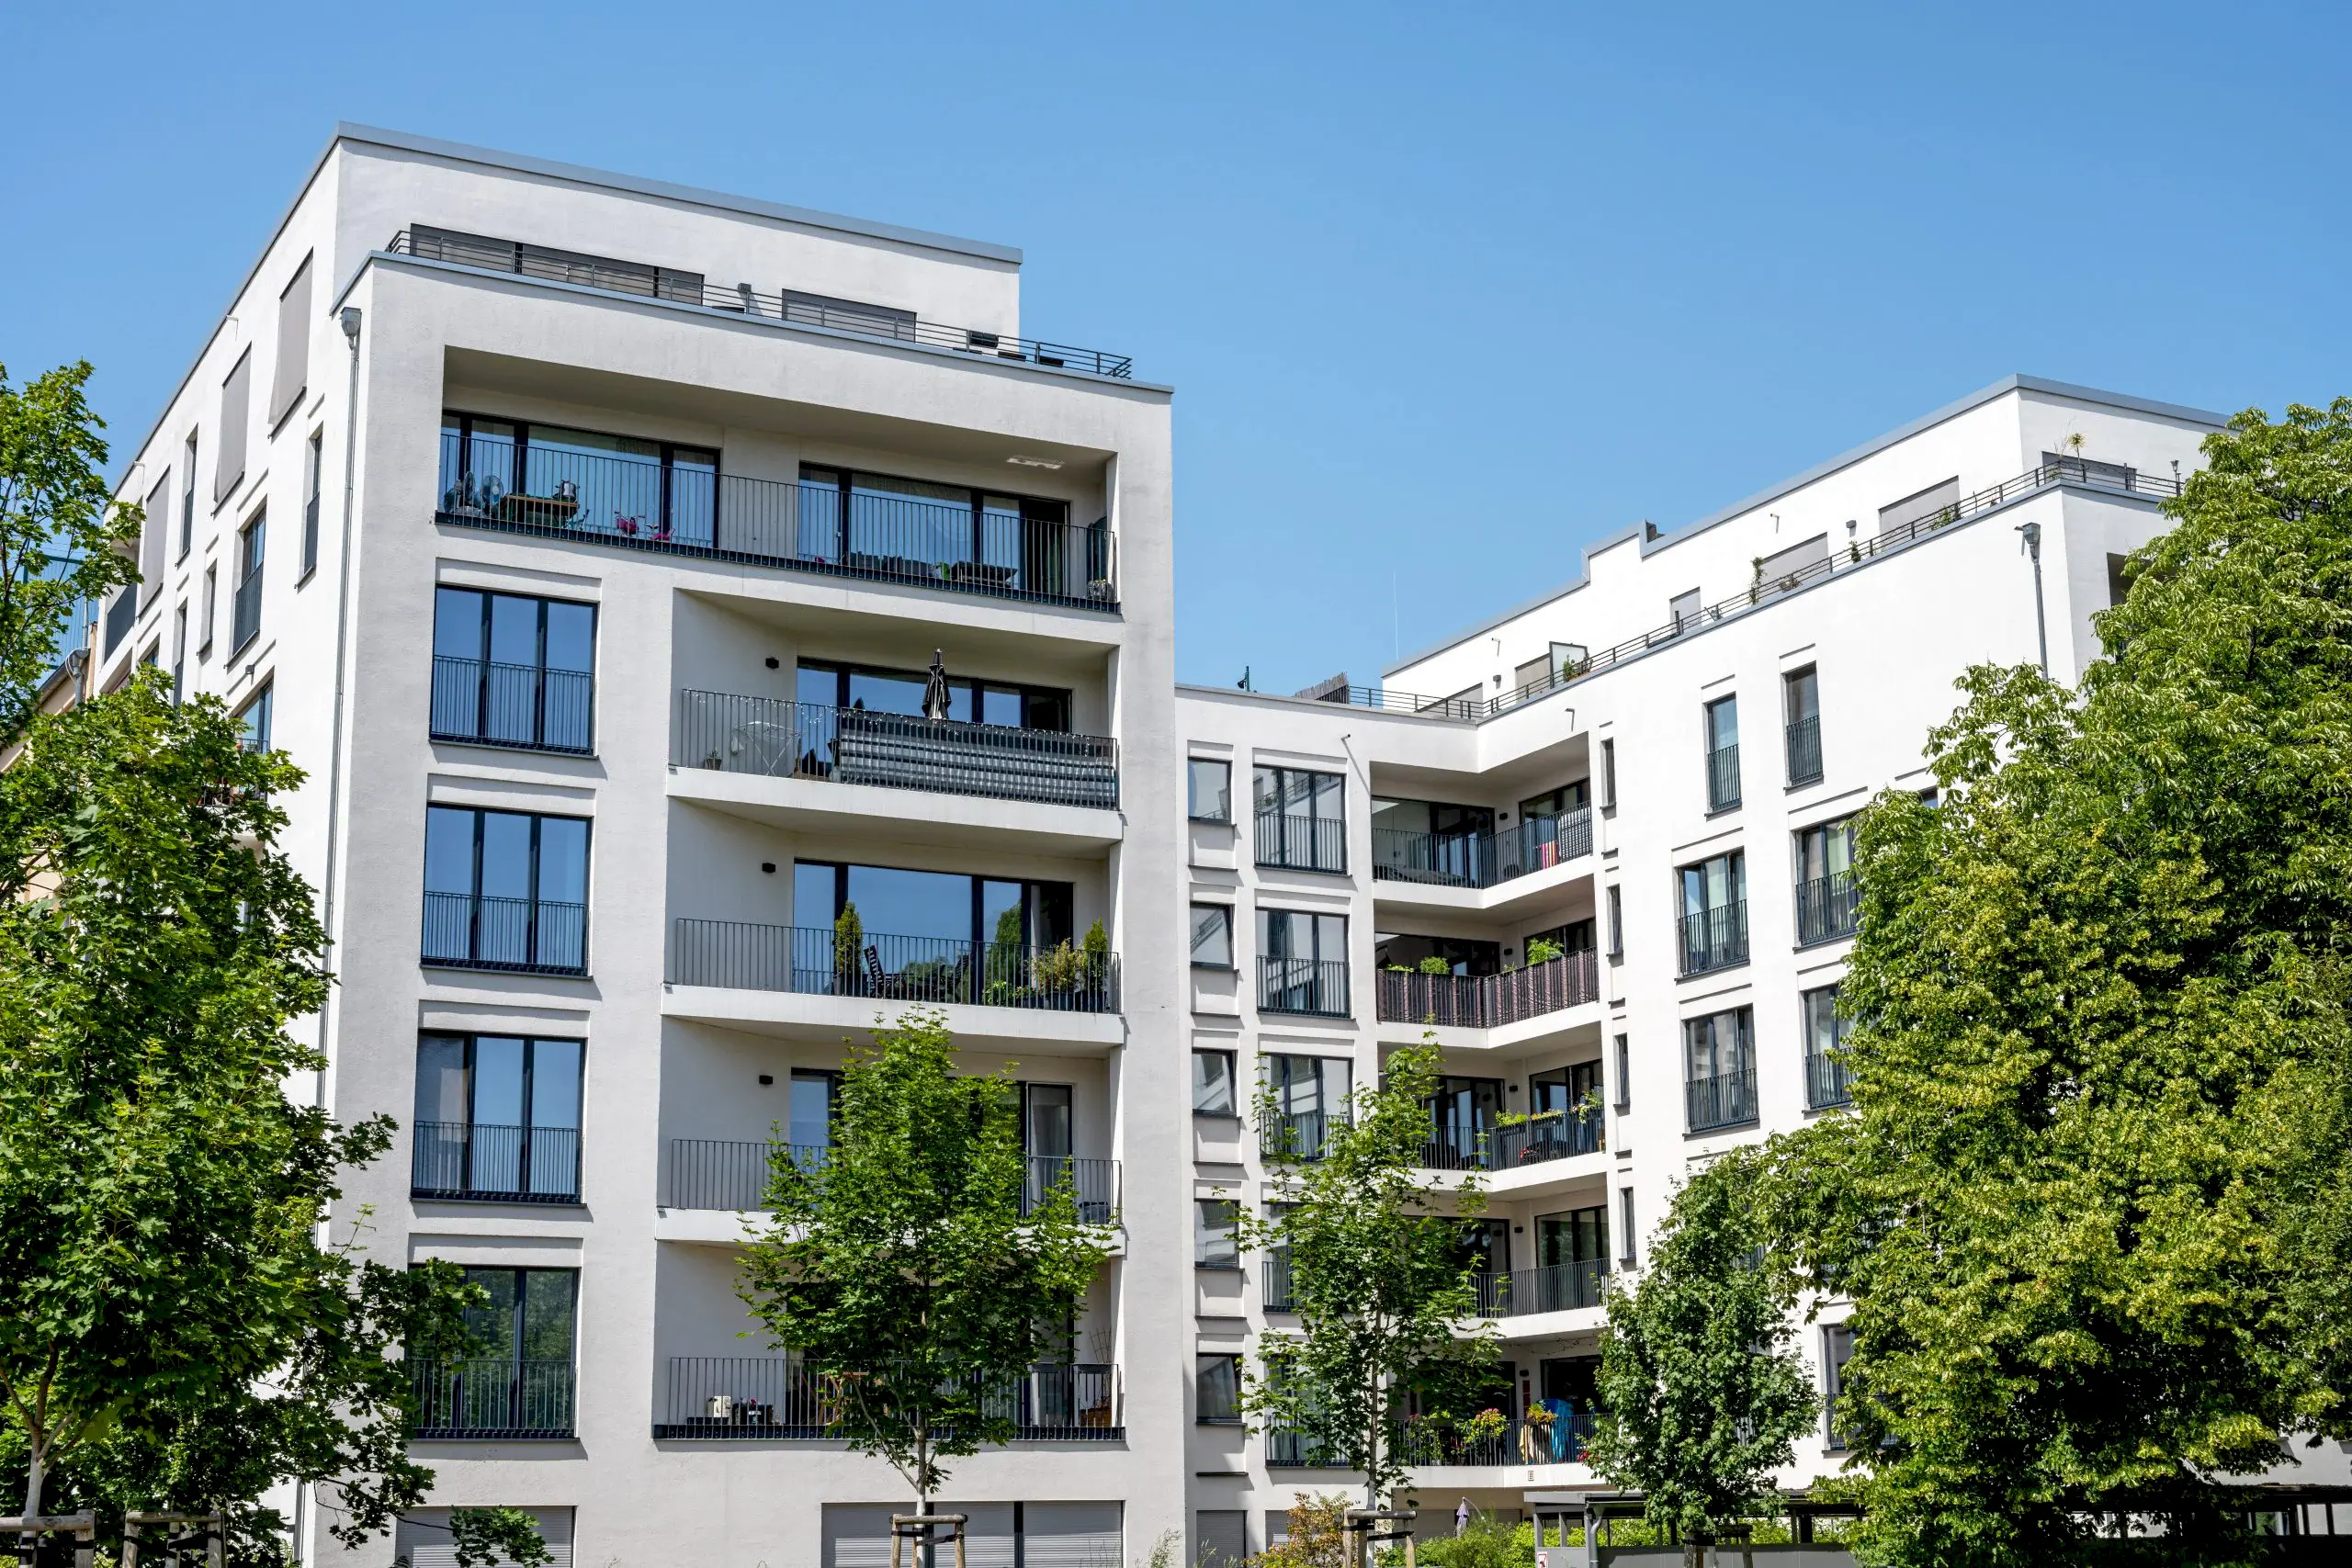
(1446, 292)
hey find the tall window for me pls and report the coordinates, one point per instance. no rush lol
(811, 1112)
(1625, 1226)
(229, 459)
(1720, 1051)
(1609, 775)
(497, 1117)
(512, 670)
(1801, 703)
(187, 494)
(1571, 1258)
(1616, 921)
(153, 529)
(1214, 1246)
(310, 453)
(1213, 1084)
(246, 622)
(1463, 1115)
(212, 599)
(1302, 819)
(1837, 1349)
(519, 1380)
(1714, 925)
(545, 478)
(1208, 789)
(1824, 1075)
(1828, 903)
(1211, 936)
(1302, 962)
(179, 652)
(1217, 1390)
(1624, 1072)
(1310, 1099)
(505, 890)
(1723, 753)
(1564, 1105)
(253, 719)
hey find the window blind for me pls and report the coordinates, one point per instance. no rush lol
(293, 345)
(229, 455)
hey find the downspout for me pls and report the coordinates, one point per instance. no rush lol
(350, 318)
(2032, 532)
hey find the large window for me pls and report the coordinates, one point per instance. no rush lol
(1302, 819)
(1825, 1083)
(1310, 1096)
(1829, 903)
(553, 477)
(245, 621)
(1719, 1051)
(1463, 1115)
(1800, 707)
(900, 527)
(1302, 962)
(1213, 1084)
(1723, 753)
(1214, 1244)
(918, 927)
(253, 719)
(505, 890)
(518, 1382)
(1208, 789)
(497, 1117)
(1211, 936)
(1564, 1113)
(1571, 1259)
(1714, 922)
(1217, 1388)
(825, 686)
(1837, 1349)
(509, 670)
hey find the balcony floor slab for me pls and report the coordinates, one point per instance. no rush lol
(1518, 896)
(906, 815)
(1518, 1039)
(1551, 1325)
(823, 1020)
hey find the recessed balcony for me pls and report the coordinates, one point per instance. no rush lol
(926, 971)
(775, 1398)
(1490, 1002)
(733, 1174)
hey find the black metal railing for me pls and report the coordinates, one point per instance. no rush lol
(1713, 939)
(753, 1398)
(524, 706)
(492, 1397)
(1292, 842)
(1480, 860)
(1559, 1287)
(1723, 778)
(1274, 1280)
(682, 288)
(1825, 1081)
(1827, 908)
(1487, 1001)
(643, 503)
(720, 1173)
(477, 1161)
(818, 961)
(1804, 751)
(244, 621)
(1299, 1135)
(540, 936)
(1724, 1099)
(812, 740)
(122, 614)
(1553, 1135)
(1423, 1441)
(1314, 985)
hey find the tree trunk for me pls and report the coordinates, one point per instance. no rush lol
(1694, 1553)
(34, 1472)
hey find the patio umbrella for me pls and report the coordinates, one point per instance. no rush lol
(934, 691)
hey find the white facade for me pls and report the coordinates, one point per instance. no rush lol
(697, 461)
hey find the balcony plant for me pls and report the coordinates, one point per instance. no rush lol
(849, 950)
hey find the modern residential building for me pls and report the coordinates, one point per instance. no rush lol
(602, 547)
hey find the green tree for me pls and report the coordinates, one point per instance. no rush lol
(2091, 1207)
(61, 537)
(1703, 1391)
(1383, 1284)
(902, 1267)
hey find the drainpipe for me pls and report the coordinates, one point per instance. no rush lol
(2032, 532)
(350, 319)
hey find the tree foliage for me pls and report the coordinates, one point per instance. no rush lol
(2092, 1207)
(1380, 1280)
(901, 1266)
(1701, 1384)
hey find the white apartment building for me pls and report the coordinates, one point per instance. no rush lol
(590, 541)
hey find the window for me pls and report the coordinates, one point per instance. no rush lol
(923, 928)
(188, 494)
(1828, 903)
(1462, 1123)
(1723, 753)
(286, 388)
(1302, 962)
(1609, 775)
(512, 670)
(519, 1381)
(179, 652)
(1624, 1073)
(1837, 1349)
(1213, 1084)
(1616, 921)
(153, 530)
(550, 479)
(1211, 936)
(1302, 821)
(1720, 1051)
(253, 720)
(1208, 790)
(246, 613)
(497, 1117)
(1223, 1537)
(860, 687)
(1825, 1083)
(311, 450)
(505, 890)
(1213, 1244)
(1801, 706)
(1217, 1387)
(1713, 924)
(211, 597)
(810, 1110)
(1565, 1105)
(1682, 612)
(1310, 1098)
(229, 462)
(1571, 1259)
(1625, 1226)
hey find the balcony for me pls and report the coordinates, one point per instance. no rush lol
(1826, 1085)
(1314, 987)
(1287, 841)
(856, 746)
(492, 1397)
(1489, 1002)
(525, 935)
(634, 503)
(812, 961)
(1560, 1441)
(1726, 1099)
(526, 706)
(245, 621)
(1829, 907)
(772, 1398)
(1723, 778)
(1299, 1135)
(1558, 1287)
(1480, 860)
(1713, 939)
(462, 1161)
(710, 1173)
(1514, 1144)
(1804, 751)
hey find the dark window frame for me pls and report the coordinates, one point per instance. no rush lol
(539, 820)
(478, 735)
(467, 1193)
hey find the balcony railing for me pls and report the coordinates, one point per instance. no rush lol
(640, 503)
(1723, 778)
(533, 936)
(1827, 908)
(1556, 1136)
(476, 1160)
(1825, 1081)
(812, 961)
(244, 622)
(809, 740)
(1488, 1001)
(693, 288)
(1804, 751)
(122, 614)
(1713, 939)
(1480, 860)
(1299, 1135)
(1275, 1280)
(1317, 987)
(715, 1173)
(1559, 1287)
(1726, 1099)
(756, 1398)
(492, 1397)
(522, 705)
(1288, 841)
(1427, 1442)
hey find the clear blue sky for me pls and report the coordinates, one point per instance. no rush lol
(1446, 292)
